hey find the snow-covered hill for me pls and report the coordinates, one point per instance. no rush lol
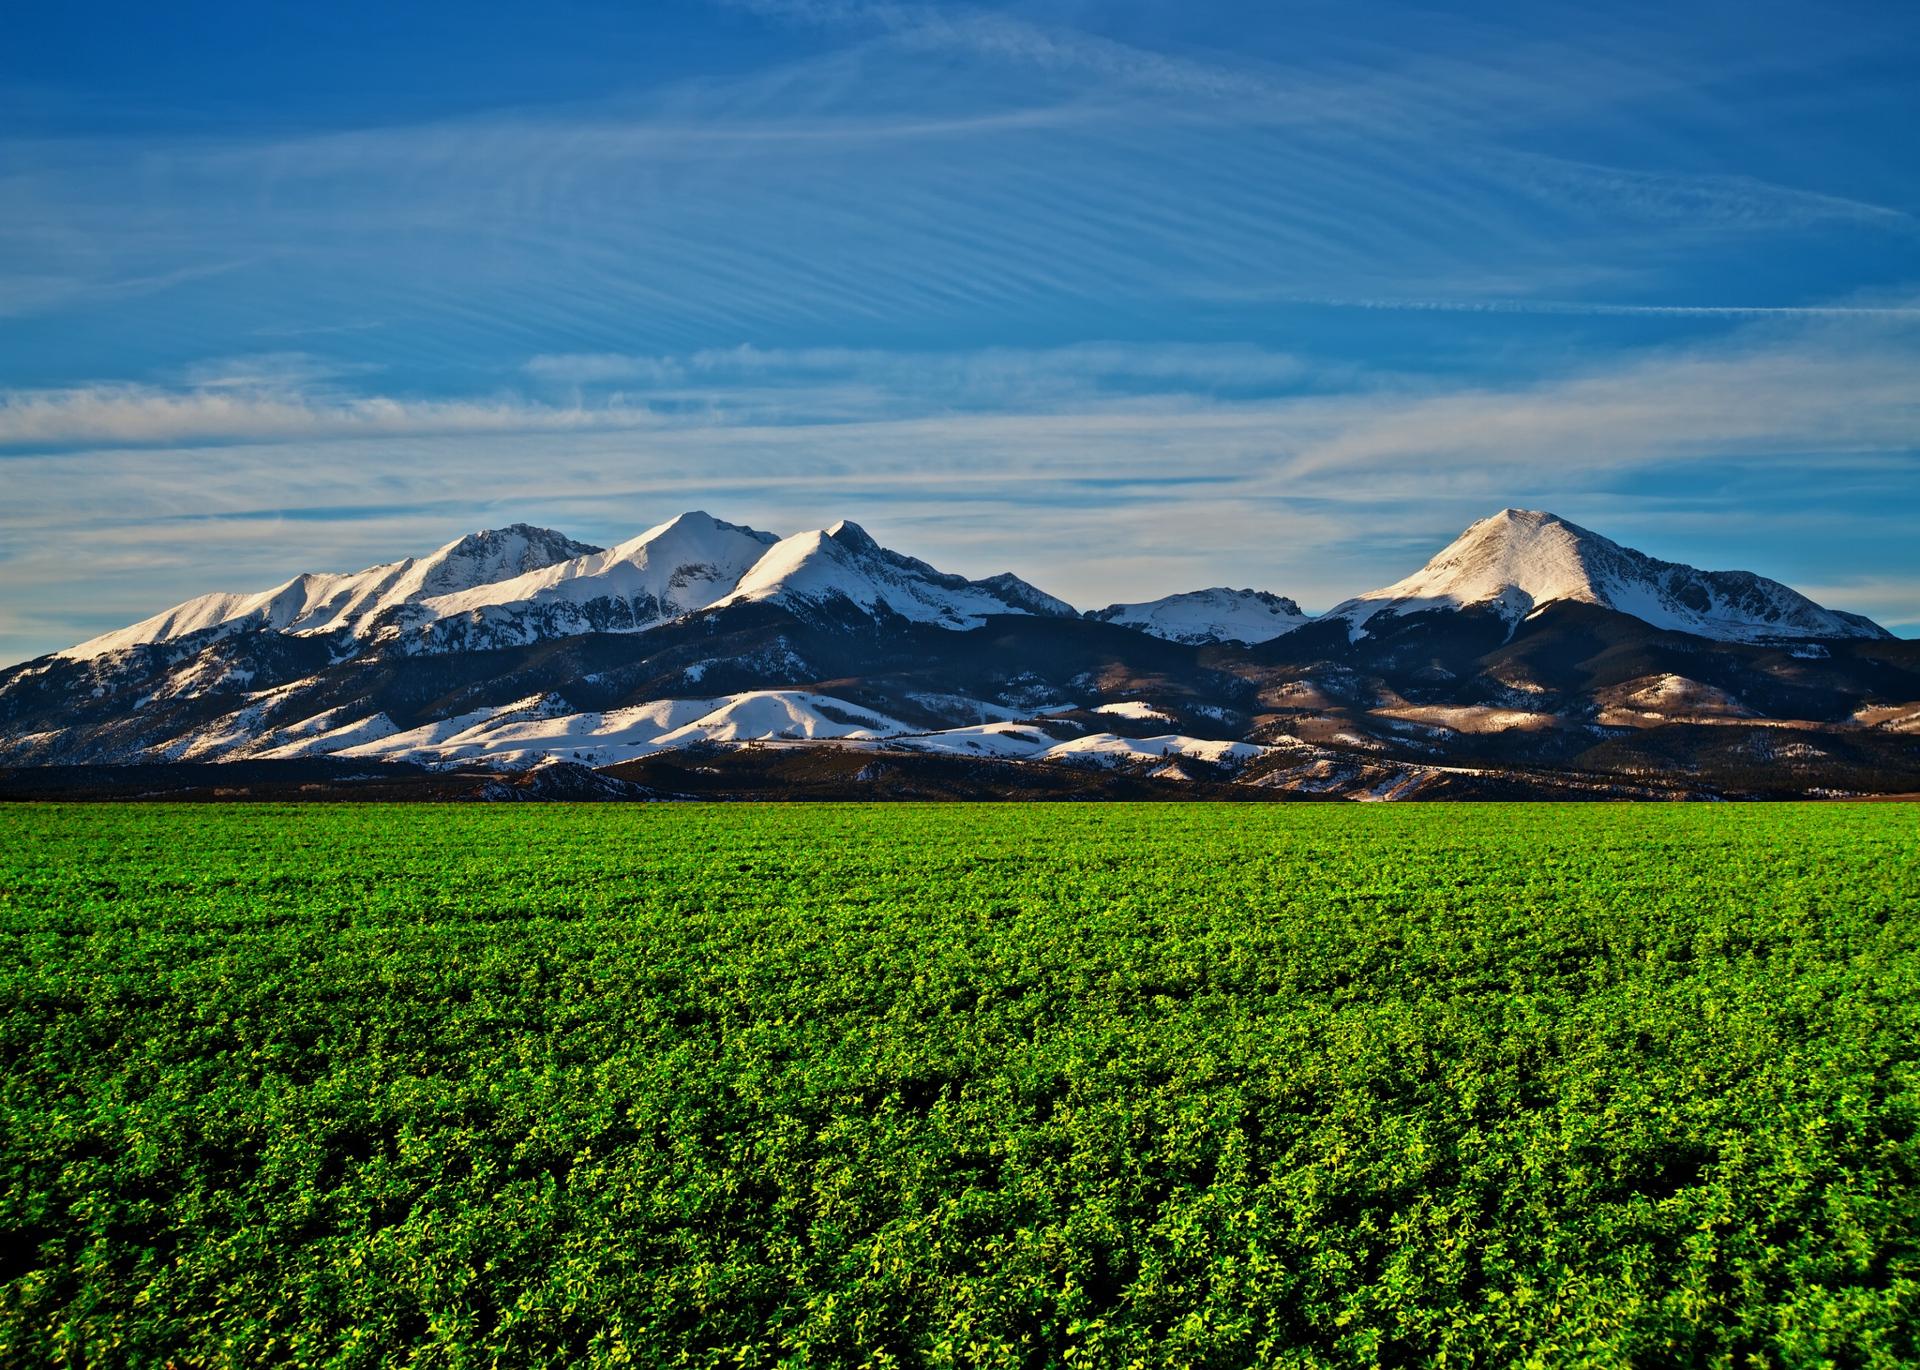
(843, 566)
(1520, 559)
(529, 731)
(1216, 615)
(353, 602)
(1032, 742)
(542, 728)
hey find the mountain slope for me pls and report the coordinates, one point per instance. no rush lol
(324, 603)
(1521, 559)
(1215, 615)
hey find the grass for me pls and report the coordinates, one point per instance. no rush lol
(960, 1085)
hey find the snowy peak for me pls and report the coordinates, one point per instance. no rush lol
(1514, 560)
(358, 603)
(694, 538)
(494, 554)
(842, 566)
(1520, 559)
(672, 569)
(1202, 616)
(852, 536)
(520, 584)
(323, 603)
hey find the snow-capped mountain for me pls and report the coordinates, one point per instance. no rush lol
(1202, 616)
(521, 647)
(844, 566)
(1521, 559)
(353, 602)
(680, 566)
(518, 585)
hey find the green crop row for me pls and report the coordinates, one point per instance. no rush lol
(960, 1086)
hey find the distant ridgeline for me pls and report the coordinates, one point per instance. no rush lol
(1528, 657)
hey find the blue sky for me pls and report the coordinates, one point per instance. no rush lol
(1125, 297)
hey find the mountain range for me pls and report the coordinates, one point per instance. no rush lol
(1529, 656)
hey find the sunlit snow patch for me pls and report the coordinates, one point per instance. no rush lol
(1136, 709)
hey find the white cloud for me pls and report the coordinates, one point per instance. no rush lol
(1819, 392)
(236, 411)
(290, 396)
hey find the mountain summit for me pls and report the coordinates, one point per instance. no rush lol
(674, 568)
(353, 602)
(843, 566)
(1520, 559)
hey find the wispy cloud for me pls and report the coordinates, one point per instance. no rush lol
(280, 397)
(1695, 200)
(26, 292)
(1820, 390)
(1800, 382)
(956, 376)
(236, 411)
(1000, 36)
(1602, 309)
(950, 166)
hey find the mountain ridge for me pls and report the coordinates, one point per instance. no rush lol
(522, 583)
(1508, 660)
(315, 602)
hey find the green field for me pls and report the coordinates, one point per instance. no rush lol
(957, 1085)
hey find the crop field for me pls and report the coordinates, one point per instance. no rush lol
(1099, 1085)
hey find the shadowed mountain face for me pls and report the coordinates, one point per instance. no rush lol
(1530, 656)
